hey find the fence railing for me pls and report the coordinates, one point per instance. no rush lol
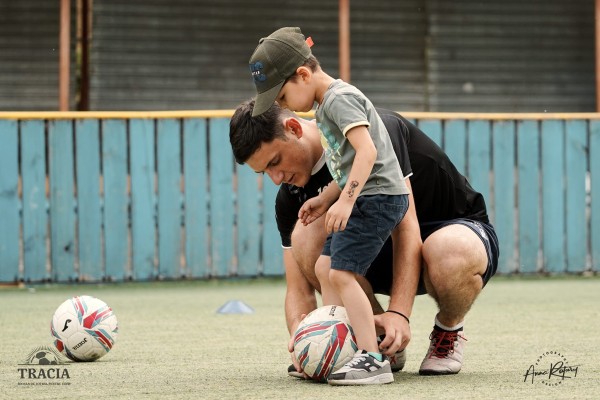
(119, 196)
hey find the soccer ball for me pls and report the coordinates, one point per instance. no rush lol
(324, 342)
(84, 328)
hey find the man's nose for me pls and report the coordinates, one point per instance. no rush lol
(276, 176)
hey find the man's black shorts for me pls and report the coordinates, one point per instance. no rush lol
(380, 272)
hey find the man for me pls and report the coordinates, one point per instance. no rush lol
(449, 250)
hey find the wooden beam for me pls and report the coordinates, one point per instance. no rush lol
(64, 45)
(344, 36)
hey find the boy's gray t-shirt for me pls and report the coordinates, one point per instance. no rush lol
(345, 107)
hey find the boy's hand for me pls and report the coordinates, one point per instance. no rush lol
(337, 216)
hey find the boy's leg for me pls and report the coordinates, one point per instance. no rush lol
(307, 245)
(368, 366)
(358, 308)
(328, 293)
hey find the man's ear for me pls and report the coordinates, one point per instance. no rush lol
(293, 125)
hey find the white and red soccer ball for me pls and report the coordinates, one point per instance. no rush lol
(324, 342)
(84, 328)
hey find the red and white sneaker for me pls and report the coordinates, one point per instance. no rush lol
(445, 353)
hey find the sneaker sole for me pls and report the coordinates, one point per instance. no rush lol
(428, 372)
(398, 368)
(374, 380)
(297, 375)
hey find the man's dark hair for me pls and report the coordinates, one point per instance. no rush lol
(247, 133)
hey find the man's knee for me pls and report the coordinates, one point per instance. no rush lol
(453, 252)
(307, 244)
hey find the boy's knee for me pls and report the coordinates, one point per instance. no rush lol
(322, 270)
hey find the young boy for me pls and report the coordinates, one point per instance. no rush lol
(367, 201)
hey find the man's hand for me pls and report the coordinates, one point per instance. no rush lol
(312, 209)
(293, 354)
(397, 333)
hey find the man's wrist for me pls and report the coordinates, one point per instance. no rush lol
(400, 314)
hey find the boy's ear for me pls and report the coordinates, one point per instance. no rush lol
(304, 72)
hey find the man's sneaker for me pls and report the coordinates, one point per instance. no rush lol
(293, 372)
(445, 353)
(398, 360)
(363, 369)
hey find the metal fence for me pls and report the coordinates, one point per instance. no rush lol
(142, 196)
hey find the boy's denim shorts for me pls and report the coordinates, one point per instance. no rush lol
(370, 224)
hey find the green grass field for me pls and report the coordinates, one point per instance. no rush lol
(172, 344)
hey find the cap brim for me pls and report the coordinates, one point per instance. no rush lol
(266, 99)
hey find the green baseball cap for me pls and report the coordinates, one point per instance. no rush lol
(274, 60)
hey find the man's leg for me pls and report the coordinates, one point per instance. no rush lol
(455, 260)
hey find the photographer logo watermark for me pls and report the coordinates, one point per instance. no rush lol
(43, 366)
(551, 369)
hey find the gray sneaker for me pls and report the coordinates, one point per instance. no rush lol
(363, 369)
(445, 354)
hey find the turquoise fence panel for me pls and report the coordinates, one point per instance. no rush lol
(479, 157)
(575, 218)
(221, 197)
(528, 158)
(248, 221)
(148, 198)
(62, 202)
(272, 253)
(455, 143)
(553, 208)
(195, 167)
(35, 204)
(433, 129)
(9, 201)
(143, 200)
(503, 133)
(594, 155)
(168, 148)
(89, 217)
(116, 200)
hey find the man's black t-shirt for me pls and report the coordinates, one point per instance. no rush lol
(441, 193)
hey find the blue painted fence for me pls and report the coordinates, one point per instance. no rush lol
(142, 196)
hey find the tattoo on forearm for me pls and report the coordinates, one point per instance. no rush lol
(353, 185)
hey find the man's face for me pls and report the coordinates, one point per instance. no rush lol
(285, 161)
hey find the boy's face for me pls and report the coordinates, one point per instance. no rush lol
(297, 95)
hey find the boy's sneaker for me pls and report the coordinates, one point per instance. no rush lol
(363, 369)
(398, 360)
(445, 353)
(293, 372)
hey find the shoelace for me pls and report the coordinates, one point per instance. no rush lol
(443, 343)
(356, 360)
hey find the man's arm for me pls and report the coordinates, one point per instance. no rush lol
(300, 298)
(407, 268)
